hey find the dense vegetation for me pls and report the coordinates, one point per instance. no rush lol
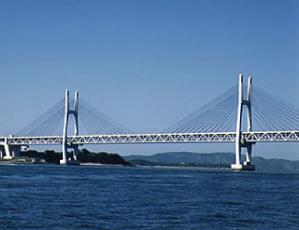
(83, 156)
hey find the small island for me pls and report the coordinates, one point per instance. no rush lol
(83, 156)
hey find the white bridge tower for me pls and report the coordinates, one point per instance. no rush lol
(65, 144)
(240, 141)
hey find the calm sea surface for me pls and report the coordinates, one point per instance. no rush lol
(94, 197)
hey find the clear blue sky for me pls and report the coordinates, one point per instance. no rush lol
(144, 63)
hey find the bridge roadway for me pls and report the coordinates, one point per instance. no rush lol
(220, 137)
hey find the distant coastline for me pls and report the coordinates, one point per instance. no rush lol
(168, 160)
(220, 160)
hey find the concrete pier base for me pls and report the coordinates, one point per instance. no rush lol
(63, 162)
(237, 167)
(69, 162)
(248, 166)
(245, 166)
(7, 157)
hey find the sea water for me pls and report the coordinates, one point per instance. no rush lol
(97, 197)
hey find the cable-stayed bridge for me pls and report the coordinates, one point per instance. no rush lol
(264, 117)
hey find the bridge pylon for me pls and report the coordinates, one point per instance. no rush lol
(67, 113)
(240, 142)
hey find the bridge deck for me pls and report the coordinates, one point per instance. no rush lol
(225, 137)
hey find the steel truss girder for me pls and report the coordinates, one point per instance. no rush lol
(271, 136)
(223, 137)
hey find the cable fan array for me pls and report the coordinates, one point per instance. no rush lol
(50, 123)
(217, 116)
(91, 121)
(268, 113)
(95, 122)
(271, 113)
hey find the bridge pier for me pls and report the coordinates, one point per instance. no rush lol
(7, 151)
(75, 152)
(239, 142)
(8, 155)
(247, 165)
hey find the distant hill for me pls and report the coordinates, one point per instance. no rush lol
(211, 160)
